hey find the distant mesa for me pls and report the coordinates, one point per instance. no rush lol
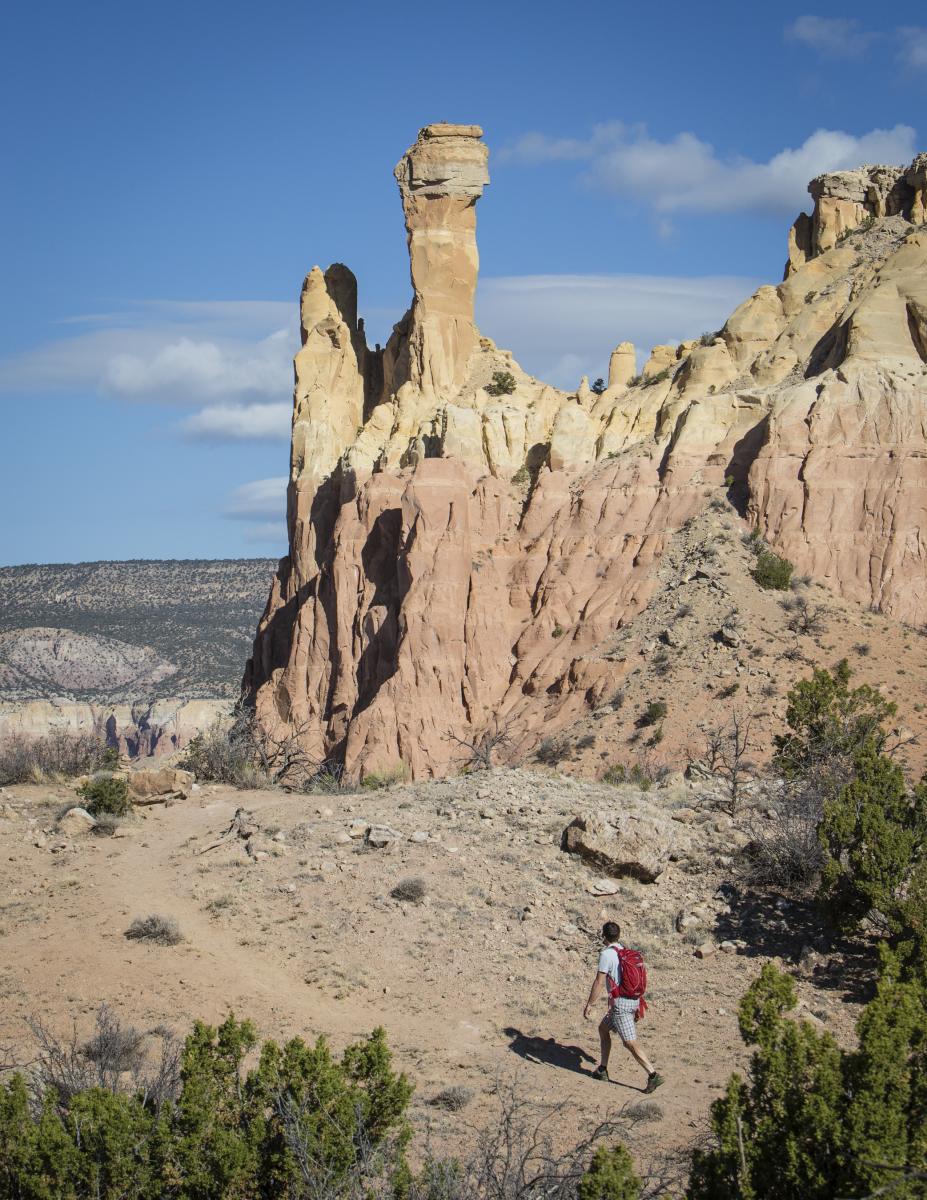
(464, 539)
(62, 662)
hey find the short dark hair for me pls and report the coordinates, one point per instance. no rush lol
(611, 931)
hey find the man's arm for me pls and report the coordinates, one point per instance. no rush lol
(598, 984)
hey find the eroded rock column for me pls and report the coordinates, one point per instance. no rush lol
(440, 180)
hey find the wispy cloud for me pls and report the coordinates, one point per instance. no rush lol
(687, 174)
(167, 352)
(239, 423)
(261, 506)
(231, 359)
(260, 498)
(835, 37)
(846, 38)
(913, 49)
(562, 326)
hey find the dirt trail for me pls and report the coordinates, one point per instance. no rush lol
(483, 981)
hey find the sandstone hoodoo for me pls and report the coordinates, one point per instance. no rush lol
(466, 541)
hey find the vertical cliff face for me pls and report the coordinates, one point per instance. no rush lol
(465, 540)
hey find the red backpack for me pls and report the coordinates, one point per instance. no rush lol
(633, 978)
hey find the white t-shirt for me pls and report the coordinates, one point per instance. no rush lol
(610, 965)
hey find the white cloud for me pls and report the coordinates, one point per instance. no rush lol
(836, 37)
(173, 352)
(239, 423)
(913, 46)
(260, 498)
(562, 326)
(686, 173)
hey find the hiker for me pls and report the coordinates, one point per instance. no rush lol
(625, 1001)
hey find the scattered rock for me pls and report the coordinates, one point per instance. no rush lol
(705, 950)
(76, 821)
(381, 836)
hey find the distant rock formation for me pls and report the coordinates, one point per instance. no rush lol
(464, 538)
(147, 728)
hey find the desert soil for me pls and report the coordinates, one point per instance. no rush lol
(480, 983)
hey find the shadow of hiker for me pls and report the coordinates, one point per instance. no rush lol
(549, 1051)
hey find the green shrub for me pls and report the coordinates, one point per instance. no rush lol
(874, 835)
(772, 572)
(830, 722)
(637, 774)
(557, 631)
(299, 1123)
(598, 386)
(813, 1121)
(503, 384)
(610, 1176)
(106, 795)
(655, 711)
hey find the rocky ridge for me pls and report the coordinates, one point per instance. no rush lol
(464, 539)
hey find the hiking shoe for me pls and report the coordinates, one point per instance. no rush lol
(601, 1073)
(653, 1082)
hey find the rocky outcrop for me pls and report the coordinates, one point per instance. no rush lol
(845, 200)
(466, 557)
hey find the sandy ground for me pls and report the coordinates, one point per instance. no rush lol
(482, 982)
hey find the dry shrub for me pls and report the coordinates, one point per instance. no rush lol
(118, 1058)
(453, 1099)
(164, 931)
(410, 891)
(57, 755)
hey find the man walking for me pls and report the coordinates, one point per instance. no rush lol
(622, 1009)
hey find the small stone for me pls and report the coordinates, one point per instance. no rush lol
(603, 887)
(728, 947)
(380, 836)
(279, 836)
(685, 816)
(418, 836)
(705, 950)
(358, 829)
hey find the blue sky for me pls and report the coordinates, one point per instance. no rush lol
(171, 171)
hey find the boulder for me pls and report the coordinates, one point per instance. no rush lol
(152, 784)
(76, 821)
(619, 853)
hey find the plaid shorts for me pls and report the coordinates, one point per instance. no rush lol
(621, 1018)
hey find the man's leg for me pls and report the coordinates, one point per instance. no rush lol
(605, 1041)
(640, 1056)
